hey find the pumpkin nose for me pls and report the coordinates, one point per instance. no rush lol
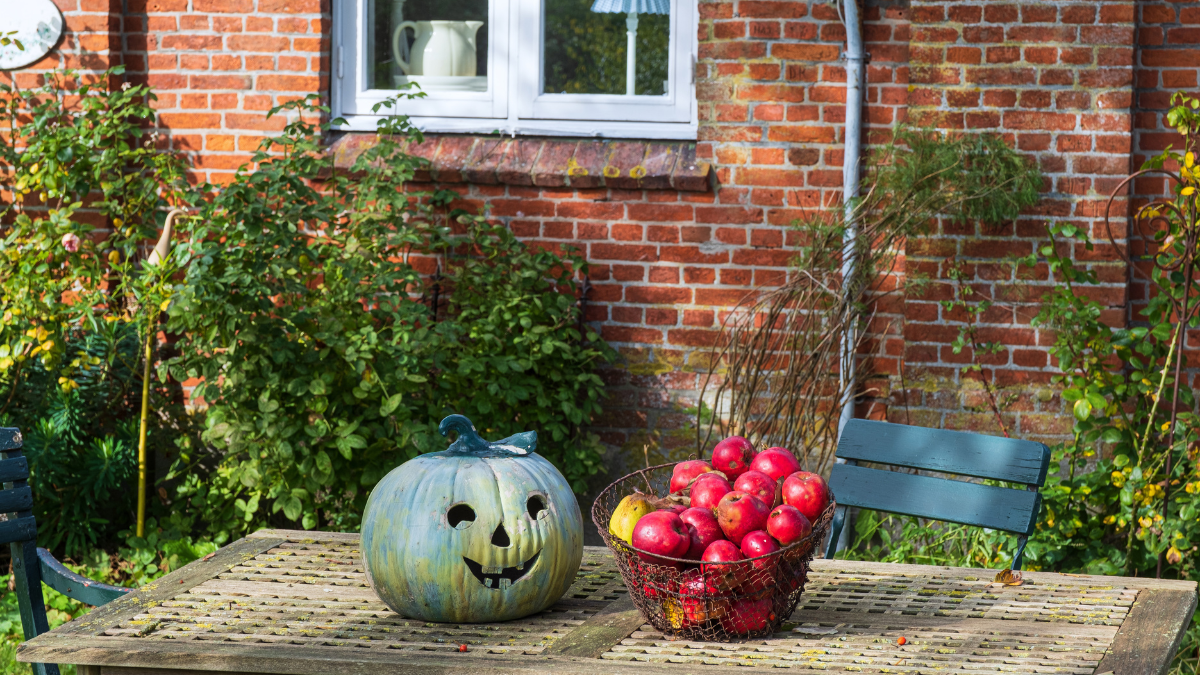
(500, 537)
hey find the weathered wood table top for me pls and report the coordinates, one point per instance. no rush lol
(297, 602)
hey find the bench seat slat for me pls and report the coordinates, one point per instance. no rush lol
(954, 452)
(936, 498)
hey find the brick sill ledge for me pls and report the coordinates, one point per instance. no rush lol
(554, 162)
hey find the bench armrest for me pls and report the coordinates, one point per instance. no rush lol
(72, 585)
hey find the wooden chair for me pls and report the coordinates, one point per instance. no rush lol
(33, 566)
(949, 452)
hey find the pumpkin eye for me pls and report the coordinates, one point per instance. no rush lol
(536, 506)
(460, 516)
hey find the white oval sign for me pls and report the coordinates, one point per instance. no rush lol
(38, 25)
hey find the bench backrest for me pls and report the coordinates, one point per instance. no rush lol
(949, 452)
(17, 501)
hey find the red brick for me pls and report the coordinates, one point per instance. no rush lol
(224, 6)
(805, 52)
(210, 82)
(190, 120)
(772, 10)
(191, 42)
(658, 295)
(289, 6)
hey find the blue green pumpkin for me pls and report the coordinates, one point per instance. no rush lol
(479, 532)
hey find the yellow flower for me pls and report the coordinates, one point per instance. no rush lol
(1166, 425)
(1189, 160)
(1187, 191)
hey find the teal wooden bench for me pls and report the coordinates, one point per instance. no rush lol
(949, 452)
(33, 566)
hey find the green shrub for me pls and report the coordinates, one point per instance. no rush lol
(88, 187)
(324, 360)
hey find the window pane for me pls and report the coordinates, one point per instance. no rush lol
(442, 45)
(586, 46)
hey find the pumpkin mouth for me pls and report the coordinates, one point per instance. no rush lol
(505, 578)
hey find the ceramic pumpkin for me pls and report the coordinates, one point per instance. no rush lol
(478, 532)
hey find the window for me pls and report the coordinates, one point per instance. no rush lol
(540, 67)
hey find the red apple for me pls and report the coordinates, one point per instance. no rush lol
(788, 525)
(808, 492)
(732, 456)
(708, 489)
(747, 615)
(684, 472)
(776, 463)
(759, 543)
(674, 508)
(701, 598)
(702, 525)
(657, 585)
(721, 550)
(755, 544)
(758, 484)
(661, 533)
(725, 577)
(739, 514)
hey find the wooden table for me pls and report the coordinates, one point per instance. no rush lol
(296, 602)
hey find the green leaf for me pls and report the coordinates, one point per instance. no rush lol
(389, 406)
(323, 463)
(1082, 409)
(291, 507)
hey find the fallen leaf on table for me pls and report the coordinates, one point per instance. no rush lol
(1009, 578)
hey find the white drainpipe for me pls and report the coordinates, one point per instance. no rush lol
(856, 60)
(851, 176)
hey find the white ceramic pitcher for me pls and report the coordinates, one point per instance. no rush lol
(442, 49)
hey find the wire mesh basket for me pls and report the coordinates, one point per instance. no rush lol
(710, 601)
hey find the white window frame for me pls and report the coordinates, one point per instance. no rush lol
(514, 105)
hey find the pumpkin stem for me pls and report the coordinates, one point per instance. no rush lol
(468, 438)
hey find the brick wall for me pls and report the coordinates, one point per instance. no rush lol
(1055, 80)
(1057, 77)
(1167, 61)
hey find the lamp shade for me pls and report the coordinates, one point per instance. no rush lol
(635, 6)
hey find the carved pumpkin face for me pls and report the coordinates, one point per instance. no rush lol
(469, 537)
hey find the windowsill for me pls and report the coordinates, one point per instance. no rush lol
(553, 162)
